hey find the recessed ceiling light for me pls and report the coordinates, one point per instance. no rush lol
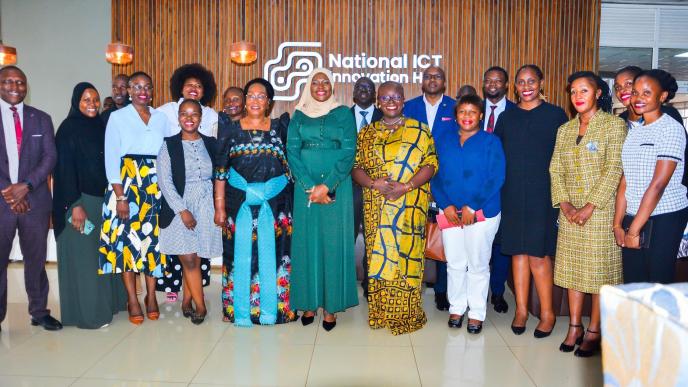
(682, 55)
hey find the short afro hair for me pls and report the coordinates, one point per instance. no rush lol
(193, 70)
(469, 99)
(666, 81)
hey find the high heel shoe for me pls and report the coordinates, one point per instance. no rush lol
(197, 318)
(595, 347)
(152, 315)
(569, 348)
(518, 330)
(136, 320)
(307, 320)
(455, 322)
(187, 312)
(538, 334)
(329, 325)
(474, 328)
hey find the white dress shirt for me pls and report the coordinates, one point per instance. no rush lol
(501, 106)
(127, 134)
(11, 136)
(359, 117)
(431, 110)
(208, 119)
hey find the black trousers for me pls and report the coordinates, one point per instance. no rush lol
(658, 262)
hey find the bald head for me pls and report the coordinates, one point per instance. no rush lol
(433, 82)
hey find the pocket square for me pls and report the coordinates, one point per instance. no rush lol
(447, 118)
(36, 135)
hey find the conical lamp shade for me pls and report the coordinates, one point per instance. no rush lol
(119, 53)
(8, 55)
(243, 52)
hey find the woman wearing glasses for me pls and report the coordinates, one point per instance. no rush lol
(394, 163)
(129, 233)
(321, 149)
(253, 207)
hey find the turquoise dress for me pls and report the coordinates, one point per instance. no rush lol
(321, 150)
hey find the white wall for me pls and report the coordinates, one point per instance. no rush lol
(59, 43)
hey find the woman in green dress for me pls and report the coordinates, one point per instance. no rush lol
(321, 146)
(87, 300)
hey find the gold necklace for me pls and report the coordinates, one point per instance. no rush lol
(391, 127)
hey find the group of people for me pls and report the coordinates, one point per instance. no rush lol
(578, 203)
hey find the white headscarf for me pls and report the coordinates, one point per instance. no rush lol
(309, 105)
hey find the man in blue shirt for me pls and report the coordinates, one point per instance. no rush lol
(495, 86)
(437, 111)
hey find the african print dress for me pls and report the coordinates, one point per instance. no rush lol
(132, 244)
(395, 230)
(257, 239)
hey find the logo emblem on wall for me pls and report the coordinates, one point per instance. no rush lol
(291, 68)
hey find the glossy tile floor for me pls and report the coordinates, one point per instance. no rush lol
(174, 352)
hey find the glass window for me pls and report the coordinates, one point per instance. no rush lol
(614, 58)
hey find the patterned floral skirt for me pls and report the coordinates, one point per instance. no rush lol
(283, 227)
(132, 245)
(395, 305)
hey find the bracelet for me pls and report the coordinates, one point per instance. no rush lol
(409, 187)
(411, 183)
(372, 184)
(632, 236)
(121, 198)
(616, 226)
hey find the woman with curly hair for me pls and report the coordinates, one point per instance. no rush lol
(190, 81)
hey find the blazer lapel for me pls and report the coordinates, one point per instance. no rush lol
(4, 158)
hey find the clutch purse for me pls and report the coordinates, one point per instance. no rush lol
(443, 223)
(645, 233)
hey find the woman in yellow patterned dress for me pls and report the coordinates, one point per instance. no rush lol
(585, 171)
(395, 160)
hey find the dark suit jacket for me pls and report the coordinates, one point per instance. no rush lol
(176, 151)
(415, 108)
(36, 160)
(377, 114)
(509, 105)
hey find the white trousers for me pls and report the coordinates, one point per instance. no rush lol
(468, 251)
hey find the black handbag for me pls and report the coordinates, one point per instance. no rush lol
(645, 233)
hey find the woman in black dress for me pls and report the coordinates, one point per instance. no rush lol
(528, 226)
(257, 228)
(87, 300)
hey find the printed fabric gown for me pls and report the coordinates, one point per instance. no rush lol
(251, 158)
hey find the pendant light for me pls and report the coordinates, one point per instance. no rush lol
(8, 54)
(119, 53)
(243, 52)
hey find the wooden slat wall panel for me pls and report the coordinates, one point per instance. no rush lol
(561, 36)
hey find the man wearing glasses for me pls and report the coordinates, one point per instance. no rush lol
(434, 109)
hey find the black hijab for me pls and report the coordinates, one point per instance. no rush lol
(80, 142)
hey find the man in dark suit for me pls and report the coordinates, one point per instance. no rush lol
(27, 156)
(437, 111)
(495, 86)
(365, 113)
(119, 95)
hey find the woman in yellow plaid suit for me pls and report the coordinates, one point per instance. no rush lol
(585, 172)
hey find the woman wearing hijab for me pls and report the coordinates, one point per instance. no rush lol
(87, 300)
(321, 146)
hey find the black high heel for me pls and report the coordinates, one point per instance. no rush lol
(588, 352)
(197, 319)
(569, 348)
(329, 325)
(538, 334)
(307, 320)
(516, 329)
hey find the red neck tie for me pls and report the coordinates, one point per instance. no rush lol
(490, 121)
(17, 128)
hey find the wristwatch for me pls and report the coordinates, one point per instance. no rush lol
(29, 185)
(121, 198)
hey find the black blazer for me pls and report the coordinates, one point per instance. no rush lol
(377, 114)
(176, 151)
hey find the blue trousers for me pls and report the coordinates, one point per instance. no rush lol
(441, 277)
(499, 269)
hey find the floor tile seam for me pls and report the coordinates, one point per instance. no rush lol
(100, 358)
(310, 361)
(200, 366)
(415, 360)
(525, 369)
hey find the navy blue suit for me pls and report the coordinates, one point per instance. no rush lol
(415, 108)
(499, 269)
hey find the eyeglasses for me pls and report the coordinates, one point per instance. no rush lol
(433, 77)
(364, 88)
(257, 97)
(139, 87)
(389, 98)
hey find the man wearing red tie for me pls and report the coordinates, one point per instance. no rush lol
(27, 156)
(495, 86)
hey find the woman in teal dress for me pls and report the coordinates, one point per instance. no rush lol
(321, 146)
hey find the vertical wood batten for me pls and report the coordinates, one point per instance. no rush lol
(561, 36)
